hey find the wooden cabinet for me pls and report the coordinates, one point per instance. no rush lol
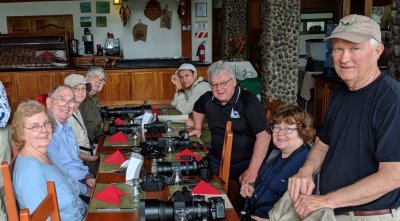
(41, 25)
(324, 87)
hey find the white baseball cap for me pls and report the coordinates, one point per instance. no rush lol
(75, 79)
(187, 67)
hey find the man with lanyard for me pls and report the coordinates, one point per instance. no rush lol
(226, 102)
(188, 88)
(357, 147)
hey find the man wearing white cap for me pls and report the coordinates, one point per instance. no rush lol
(188, 88)
(357, 147)
(87, 155)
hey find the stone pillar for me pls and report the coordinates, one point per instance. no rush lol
(280, 51)
(235, 20)
(394, 42)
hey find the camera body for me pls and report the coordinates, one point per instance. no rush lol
(151, 183)
(126, 111)
(201, 168)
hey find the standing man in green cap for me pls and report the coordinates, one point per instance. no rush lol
(357, 148)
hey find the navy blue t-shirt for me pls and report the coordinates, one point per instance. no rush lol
(362, 128)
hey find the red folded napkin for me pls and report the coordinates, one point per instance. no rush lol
(154, 111)
(118, 137)
(116, 158)
(187, 152)
(204, 188)
(110, 194)
(118, 121)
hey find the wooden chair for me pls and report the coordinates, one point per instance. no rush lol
(270, 108)
(11, 205)
(225, 164)
(47, 208)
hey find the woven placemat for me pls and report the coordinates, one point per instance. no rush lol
(125, 203)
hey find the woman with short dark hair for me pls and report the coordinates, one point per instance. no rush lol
(292, 130)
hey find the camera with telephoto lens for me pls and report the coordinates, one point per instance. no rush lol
(152, 183)
(190, 208)
(127, 129)
(201, 168)
(156, 128)
(126, 111)
(179, 142)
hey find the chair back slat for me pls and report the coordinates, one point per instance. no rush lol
(11, 204)
(225, 164)
(47, 208)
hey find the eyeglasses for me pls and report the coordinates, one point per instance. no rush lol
(97, 78)
(62, 101)
(221, 84)
(77, 89)
(37, 127)
(285, 130)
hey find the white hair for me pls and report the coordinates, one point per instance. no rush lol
(373, 43)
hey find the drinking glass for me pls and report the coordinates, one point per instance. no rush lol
(136, 191)
(169, 147)
(176, 176)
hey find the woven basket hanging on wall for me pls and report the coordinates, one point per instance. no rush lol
(139, 31)
(153, 10)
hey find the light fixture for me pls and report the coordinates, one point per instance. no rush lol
(117, 2)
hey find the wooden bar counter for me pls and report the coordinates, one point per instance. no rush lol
(124, 86)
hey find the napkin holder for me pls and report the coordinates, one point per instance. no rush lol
(134, 165)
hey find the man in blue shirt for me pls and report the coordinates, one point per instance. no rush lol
(63, 149)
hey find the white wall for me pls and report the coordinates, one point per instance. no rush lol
(161, 42)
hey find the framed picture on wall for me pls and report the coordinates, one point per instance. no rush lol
(201, 9)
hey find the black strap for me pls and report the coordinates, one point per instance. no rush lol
(78, 121)
(91, 144)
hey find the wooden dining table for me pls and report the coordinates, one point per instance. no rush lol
(107, 178)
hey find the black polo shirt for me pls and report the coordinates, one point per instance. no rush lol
(248, 119)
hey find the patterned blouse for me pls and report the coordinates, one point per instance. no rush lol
(5, 109)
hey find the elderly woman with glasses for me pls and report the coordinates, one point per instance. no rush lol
(292, 129)
(32, 129)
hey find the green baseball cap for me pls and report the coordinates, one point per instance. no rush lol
(357, 29)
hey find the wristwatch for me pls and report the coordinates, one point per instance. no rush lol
(181, 91)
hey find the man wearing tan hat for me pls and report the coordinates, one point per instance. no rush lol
(357, 148)
(188, 88)
(87, 150)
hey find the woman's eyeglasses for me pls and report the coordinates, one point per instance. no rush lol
(37, 127)
(285, 130)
